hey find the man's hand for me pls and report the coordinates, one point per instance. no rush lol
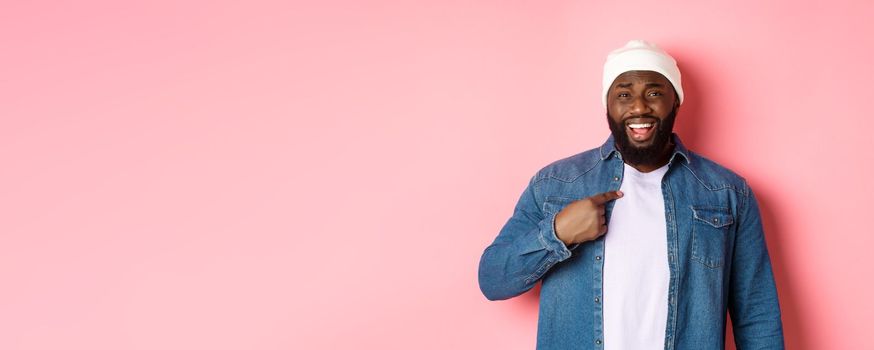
(583, 220)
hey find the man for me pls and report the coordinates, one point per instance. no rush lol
(640, 243)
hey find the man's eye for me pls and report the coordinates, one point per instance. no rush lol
(623, 94)
(655, 93)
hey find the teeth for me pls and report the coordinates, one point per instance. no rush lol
(638, 126)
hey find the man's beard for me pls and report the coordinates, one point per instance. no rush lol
(649, 155)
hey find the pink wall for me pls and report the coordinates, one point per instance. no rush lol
(326, 175)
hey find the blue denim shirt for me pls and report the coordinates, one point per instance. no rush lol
(717, 256)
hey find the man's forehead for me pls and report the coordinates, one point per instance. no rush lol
(641, 76)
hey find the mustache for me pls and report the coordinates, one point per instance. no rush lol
(646, 116)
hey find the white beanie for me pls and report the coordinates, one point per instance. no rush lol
(641, 55)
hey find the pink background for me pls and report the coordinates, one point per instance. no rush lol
(281, 175)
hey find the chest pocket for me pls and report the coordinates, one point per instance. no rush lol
(710, 230)
(554, 204)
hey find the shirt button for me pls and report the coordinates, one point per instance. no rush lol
(598, 341)
(616, 178)
(597, 300)
(715, 220)
(598, 257)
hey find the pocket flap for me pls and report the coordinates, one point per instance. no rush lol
(713, 216)
(554, 204)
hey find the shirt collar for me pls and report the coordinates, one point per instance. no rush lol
(680, 151)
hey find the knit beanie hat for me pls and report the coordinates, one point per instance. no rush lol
(641, 55)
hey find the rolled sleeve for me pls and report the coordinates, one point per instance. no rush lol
(524, 250)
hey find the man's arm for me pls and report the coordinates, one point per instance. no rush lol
(752, 302)
(525, 249)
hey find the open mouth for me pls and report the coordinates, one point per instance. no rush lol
(640, 131)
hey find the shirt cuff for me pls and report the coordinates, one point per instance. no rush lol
(550, 240)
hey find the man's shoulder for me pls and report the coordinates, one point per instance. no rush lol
(709, 173)
(570, 168)
(713, 175)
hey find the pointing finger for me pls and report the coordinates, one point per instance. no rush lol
(605, 197)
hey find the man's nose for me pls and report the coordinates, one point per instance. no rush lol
(639, 106)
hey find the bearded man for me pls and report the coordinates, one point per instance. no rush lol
(639, 243)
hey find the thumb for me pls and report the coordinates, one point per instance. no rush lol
(601, 198)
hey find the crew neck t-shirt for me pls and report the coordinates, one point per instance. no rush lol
(636, 271)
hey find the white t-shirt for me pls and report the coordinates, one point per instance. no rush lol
(636, 271)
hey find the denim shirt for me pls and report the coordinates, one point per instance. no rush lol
(717, 256)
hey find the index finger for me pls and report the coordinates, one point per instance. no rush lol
(601, 198)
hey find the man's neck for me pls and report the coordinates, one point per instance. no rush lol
(663, 159)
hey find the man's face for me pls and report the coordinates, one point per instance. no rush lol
(641, 108)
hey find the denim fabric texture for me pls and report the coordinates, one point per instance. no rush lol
(717, 256)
